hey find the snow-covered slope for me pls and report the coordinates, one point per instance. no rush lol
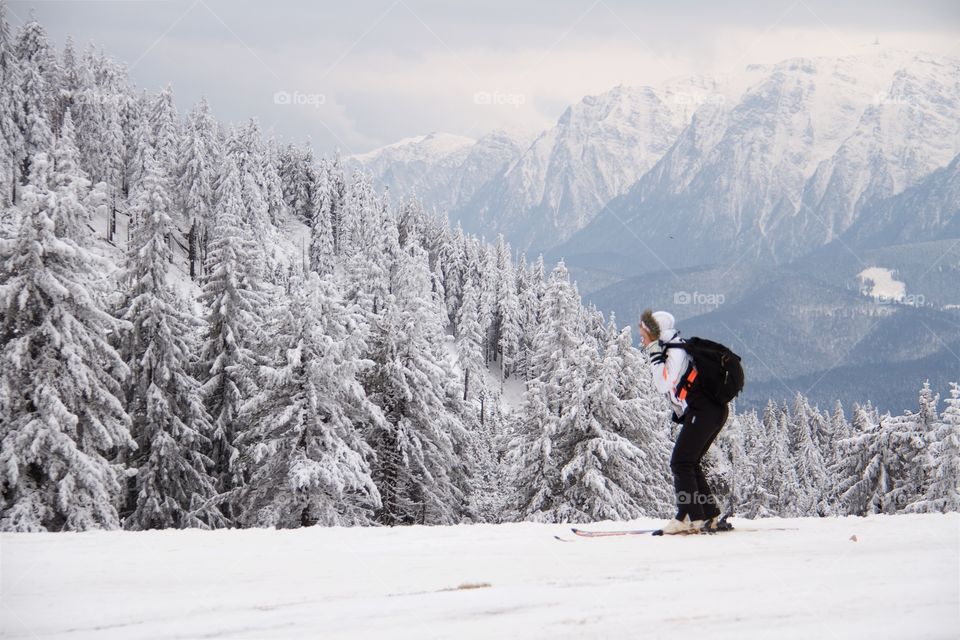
(876, 577)
(927, 211)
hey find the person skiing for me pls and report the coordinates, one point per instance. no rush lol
(702, 419)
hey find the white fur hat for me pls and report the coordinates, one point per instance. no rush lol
(656, 322)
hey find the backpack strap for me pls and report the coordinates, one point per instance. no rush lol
(686, 382)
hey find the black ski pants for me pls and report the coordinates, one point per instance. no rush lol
(701, 424)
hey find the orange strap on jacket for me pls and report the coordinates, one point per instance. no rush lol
(686, 385)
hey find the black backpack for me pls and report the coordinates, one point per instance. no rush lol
(719, 373)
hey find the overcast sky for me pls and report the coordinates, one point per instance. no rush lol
(358, 74)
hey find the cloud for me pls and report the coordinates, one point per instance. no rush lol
(396, 68)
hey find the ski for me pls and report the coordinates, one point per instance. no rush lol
(604, 534)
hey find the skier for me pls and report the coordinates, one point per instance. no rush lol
(702, 418)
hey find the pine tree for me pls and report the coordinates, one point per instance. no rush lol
(372, 235)
(508, 319)
(809, 466)
(775, 487)
(165, 130)
(245, 147)
(232, 299)
(553, 405)
(908, 441)
(873, 467)
(297, 178)
(838, 431)
(531, 287)
(197, 157)
(11, 137)
(72, 215)
(741, 449)
(97, 107)
(321, 231)
(617, 463)
(309, 463)
(421, 470)
(943, 463)
(335, 204)
(138, 142)
(273, 185)
(469, 345)
(37, 74)
(170, 424)
(60, 380)
(489, 488)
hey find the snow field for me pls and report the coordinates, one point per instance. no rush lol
(900, 578)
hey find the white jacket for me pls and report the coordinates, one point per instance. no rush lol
(667, 375)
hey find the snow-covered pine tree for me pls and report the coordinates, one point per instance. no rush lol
(336, 196)
(618, 458)
(486, 288)
(943, 462)
(775, 488)
(745, 464)
(489, 492)
(421, 469)
(165, 130)
(63, 422)
(245, 146)
(321, 231)
(371, 233)
(553, 405)
(872, 466)
(138, 142)
(838, 431)
(779, 464)
(531, 286)
(469, 344)
(71, 81)
(308, 463)
(100, 138)
(173, 487)
(232, 300)
(37, 74)
(808, 463)
(297, 177)
(508, 314)
(71, 215)
(198, 157)
(908, 442)
(11, 138)
(272, 185)
(453, 263)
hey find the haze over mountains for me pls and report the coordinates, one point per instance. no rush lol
(752, 203)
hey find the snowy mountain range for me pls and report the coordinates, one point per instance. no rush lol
(770, 163)
(788, 167)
